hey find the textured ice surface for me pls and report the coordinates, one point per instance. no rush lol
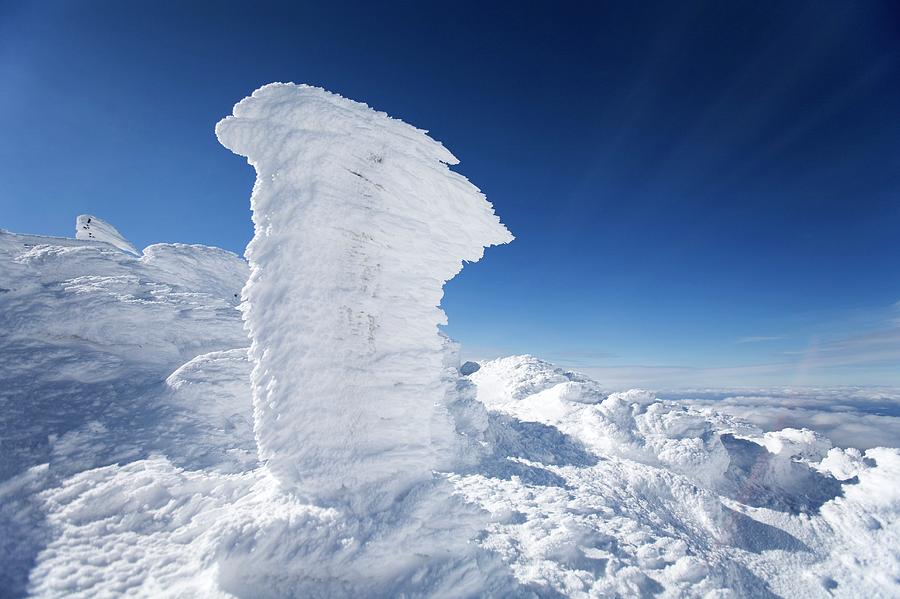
(89, 335)
(359, 222)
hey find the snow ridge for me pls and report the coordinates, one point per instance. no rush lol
(359, 222)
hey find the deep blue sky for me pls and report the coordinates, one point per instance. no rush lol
(702, 193)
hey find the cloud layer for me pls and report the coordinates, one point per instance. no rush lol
(849, 416)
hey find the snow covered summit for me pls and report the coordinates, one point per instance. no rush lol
(129, 461)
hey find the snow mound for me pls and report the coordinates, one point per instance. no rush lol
(359, 222)
(517, 377)
(678, 501)
(91, 227)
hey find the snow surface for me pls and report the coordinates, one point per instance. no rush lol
(129, 467)
(129, 464)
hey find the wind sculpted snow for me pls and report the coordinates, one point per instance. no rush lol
(127, 415)
(359, 222)
(91, 227)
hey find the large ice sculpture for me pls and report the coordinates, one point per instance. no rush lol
(358, 223)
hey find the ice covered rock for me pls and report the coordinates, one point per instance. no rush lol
(91, 227)
(720, 455)
(198, 268)
(359, 222)
(469, 368)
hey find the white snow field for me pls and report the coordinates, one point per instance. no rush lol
(149, 447)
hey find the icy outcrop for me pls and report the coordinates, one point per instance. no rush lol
(359, 222)
(469, 368)
(91, 227)
(160, 308)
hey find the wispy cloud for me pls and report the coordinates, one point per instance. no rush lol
(760, 339)
(896, 313)
(870, 355)
(578, 358)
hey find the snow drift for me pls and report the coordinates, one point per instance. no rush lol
(359, 222)
(91, 227)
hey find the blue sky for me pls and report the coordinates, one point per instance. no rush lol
(702, 193)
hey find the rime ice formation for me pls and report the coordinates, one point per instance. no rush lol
(359, 222)
(91, 227)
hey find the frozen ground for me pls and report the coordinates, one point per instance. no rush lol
(130, 416)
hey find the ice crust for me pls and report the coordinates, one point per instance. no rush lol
(358, 223)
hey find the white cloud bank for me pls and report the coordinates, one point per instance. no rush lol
(849, 416)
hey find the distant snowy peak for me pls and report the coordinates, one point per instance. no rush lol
(88, 226)
(517, 377)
